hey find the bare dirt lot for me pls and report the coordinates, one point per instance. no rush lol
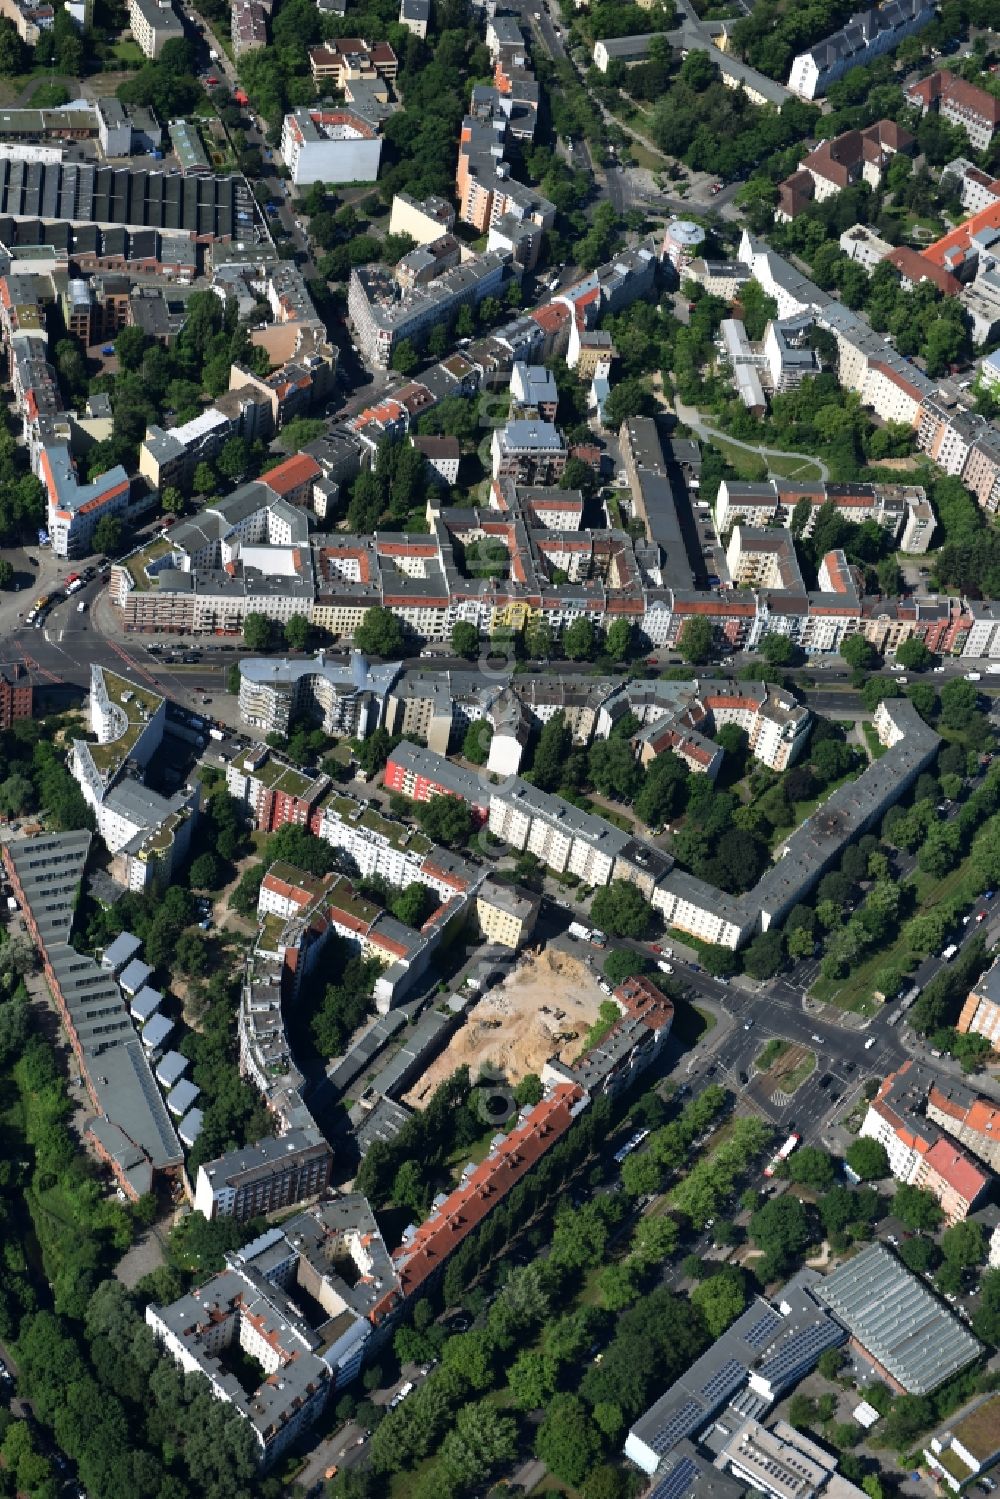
(543, 1008)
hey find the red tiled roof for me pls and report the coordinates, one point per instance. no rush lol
(551, 317)
(946, 85)
(958, 239)
(916, 268)
(644, 1001)
(299, 469)
(487, 1185)
(956, 1169)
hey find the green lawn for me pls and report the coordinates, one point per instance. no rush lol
(793, 468)
(855, 993)
(749, 466)
(752, 466)
(771, 1053)
(643, 157)
(129, 54)
(875, 746)
(798, 1075)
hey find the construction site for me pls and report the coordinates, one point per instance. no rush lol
(543, 1008)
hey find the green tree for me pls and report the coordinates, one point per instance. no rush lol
(914, 655)
(464, 639)
(404, 358)
(234, 459)
(781, 1228)
(172, 502)
(257, 632)
(567, 1440)
(538, 639)
(481, 1440)
(619, 908)
(446, 819)
(205, 872)
(777, 649)
(579, 640)
(986, 1318)
(629, 398)
(765, 955)
(919, 1254)
(959, 702)
(621, 964)
(618, 642)
(379, 633)
(695, 643)
(204, 481)
(476, 744)
(857, 652)
(963, 1244)
(868, 1159)
(720, 1299)
(296, 632)
(108, 535)
(811, 1167)
(551, 752)
(916, 1208)
(6, 572)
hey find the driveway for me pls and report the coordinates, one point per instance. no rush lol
(693, 418)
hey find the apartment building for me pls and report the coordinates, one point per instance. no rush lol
(845, 160)
(426, 1249)
(972, 109)
(420, 774)
(981, 1012)
(263, 1178)
(506, 914)
(273, 790)
(350, 58)
(763, 559)
(862, 245)
(171, 457)
(918, 1154)
(528, 451)
(867, 35)
(415, 15)
(329, 145)
(16, 694)
(489, 197)
(970, 1119)
(383, 313)
(442, 456)
(977, 190)
(424, 221)
(774, 501)
(349, 699)
(331, 1259)
(248, 27)
(153, 24)
(631, 1045)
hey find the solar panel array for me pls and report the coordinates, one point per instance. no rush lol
(802, 1348)
(80, 191)
(763, 1329)
(724, 1382)
(676, 1483)
(680, 1423)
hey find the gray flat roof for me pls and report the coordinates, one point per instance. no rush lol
(789, 1332)
(898, 1320)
